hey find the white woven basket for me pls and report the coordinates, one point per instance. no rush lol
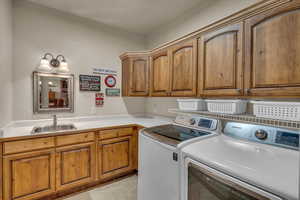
(191, 104)
(277, 110)
(227, 106)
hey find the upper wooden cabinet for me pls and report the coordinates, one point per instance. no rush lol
(135, 76)
(183, 62)
(272, 53)
(220, 62)
(160, 74)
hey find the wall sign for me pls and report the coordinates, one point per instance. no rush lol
(99, 99)
(110, 81)
(90, 83)
(112, 92)
(104, 71)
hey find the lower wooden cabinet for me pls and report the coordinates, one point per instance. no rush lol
(72, 161)
(115, 156)
(75, 165)
(29, 175)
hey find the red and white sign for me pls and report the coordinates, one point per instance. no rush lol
(110, 81)
(99, 99)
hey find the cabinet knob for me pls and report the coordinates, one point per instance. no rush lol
(247, 91)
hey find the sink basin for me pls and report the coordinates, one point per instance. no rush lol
(48, 129)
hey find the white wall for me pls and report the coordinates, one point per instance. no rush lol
(85, 44)
(5, 62)
(185, 24)
(195, 19)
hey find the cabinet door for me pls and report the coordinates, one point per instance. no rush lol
(75, 165)
(139, 85)
(125, 77)
(183, 61)
(159, 74)
(220, 62)
(115, 157)
(29, 175)
(272, 53)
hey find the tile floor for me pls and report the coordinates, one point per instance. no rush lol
(125, 189)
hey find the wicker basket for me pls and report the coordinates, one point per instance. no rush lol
(227, 106)
(277, 110)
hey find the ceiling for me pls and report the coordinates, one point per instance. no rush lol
(137, 16)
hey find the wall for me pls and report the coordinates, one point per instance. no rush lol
(195, 19)
(185, 24)
(85, 44)
(5, 64)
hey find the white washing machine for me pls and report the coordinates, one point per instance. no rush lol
(159, 163)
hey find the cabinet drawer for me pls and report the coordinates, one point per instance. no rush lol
(28, 145)
(113, 133)
(125, 132)
(108, 134)
(74, 139)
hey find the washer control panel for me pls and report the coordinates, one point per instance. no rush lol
(264, 134)
(195, 121)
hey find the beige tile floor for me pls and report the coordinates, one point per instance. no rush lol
(125, 189)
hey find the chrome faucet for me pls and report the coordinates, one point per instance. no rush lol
(54, 121)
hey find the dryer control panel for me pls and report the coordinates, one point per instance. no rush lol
(197, 122)
(263, 134)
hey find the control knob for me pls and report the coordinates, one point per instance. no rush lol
(261, 134)
(192, 121)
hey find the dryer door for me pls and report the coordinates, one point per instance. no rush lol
(204, 183)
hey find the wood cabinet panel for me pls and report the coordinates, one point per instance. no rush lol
(28, 145)
(75, 165)
(114, 133)
(114, 156)
(160, 74)
(139, 81)
(125, 77)
(29, 175)
(183, 60)
(220, 62)
(75, 138)
(272, 53)
(1, 174)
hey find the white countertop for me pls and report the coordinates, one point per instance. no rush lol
(271, 168)
(24, 128)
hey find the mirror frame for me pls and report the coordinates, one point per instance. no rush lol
(36, 91)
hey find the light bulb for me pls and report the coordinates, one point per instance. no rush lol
(44, 65)
(63, 67)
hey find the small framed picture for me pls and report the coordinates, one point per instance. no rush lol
(112, 92)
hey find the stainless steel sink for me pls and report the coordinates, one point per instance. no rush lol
(49, 129)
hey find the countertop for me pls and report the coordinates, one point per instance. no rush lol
(23, 128)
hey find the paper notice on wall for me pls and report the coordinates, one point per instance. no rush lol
(99, 99)
(105, 71)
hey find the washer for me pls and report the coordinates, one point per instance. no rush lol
(159, 163)
(246, 162)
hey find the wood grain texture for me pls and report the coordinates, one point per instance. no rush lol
(183, 61)
(125, 76)
(113, 133)
(75, 165)
(272, 49)
(115, 157)
(75, 138)
(28, 145)
(220, 55)
(160, 74)
(139, 77)
(29, 175)
(1, 174)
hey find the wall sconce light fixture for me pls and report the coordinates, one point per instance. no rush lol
(57, 65)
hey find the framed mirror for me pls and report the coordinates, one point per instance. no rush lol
(53, 92)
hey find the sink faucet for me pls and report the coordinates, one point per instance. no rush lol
(54, 120)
